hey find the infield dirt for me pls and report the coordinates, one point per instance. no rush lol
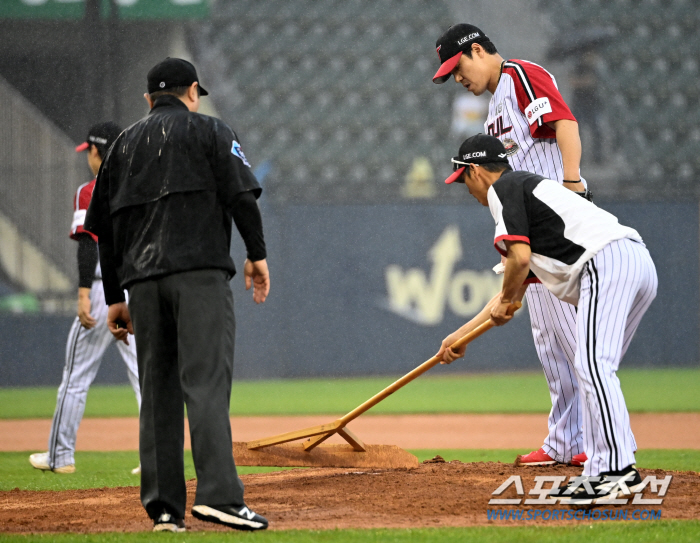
(446, 431)
(431, 495)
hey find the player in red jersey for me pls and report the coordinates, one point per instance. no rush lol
(89, 336)
(540, 135)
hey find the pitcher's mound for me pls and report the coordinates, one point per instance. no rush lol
(431, 495)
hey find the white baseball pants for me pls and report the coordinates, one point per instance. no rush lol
(617, 287)
(553, 325)
(84, 351)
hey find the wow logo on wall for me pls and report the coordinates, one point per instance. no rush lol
(424, 294)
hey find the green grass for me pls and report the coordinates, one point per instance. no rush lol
(672, 390)
(673, 459)
(668, 459)
(622, 532)
(93, 470)
(40, 402)
(112, 469)
(507, 456)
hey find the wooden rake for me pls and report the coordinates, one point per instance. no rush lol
(277, 450)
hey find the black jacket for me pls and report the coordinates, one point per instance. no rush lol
(164, 197)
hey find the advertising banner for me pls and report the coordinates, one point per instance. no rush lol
(126, 9)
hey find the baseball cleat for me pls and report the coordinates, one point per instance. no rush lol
(238, 518)
(535, 458)
(41, 461)
(603, 489)
(558, 492)
(136, 470)
(578, 459)
(168, 523)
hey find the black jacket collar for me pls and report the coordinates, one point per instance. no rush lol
(168, 100)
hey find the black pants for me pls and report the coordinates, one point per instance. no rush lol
(185, 331)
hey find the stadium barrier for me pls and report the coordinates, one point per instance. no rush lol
(383, 285)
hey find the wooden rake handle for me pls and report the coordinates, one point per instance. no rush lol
(420, 370)
(320, 433)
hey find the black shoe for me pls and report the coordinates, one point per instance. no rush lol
(168, 523)
(239, 518)
(558, 492)
(603, 488)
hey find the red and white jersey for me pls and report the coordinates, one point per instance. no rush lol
(81, 202)
(526, 98)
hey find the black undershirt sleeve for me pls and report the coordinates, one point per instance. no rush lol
(87, 260)
(246, 215)
(110, 282)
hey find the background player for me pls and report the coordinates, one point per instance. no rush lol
(89, 336)
(584, 257)
(540, 134)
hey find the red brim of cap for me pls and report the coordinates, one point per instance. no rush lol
(445, 71)
(455, 176)
(82, 147)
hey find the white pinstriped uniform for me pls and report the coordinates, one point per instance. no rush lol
(617, 287)
(553, 322)
(585, 257)
(84, 351)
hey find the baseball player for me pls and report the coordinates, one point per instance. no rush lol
(582, 255)
(89, 336)
(528, 114)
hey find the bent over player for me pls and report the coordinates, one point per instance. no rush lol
(540, 134)
(584, 257)
(165, 202)
(89, 336)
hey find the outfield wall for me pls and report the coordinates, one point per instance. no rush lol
(364, 290)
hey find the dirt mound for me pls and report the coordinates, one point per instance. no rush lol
(434, 494)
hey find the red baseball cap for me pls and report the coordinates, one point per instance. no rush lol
(478, 149)
(457, 175)
(451, 44)
(102, 136)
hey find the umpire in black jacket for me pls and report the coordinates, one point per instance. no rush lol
(162, 208)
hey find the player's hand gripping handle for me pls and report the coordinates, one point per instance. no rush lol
(452, 348)
(503, 312)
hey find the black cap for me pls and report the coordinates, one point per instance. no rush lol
(450, 45)
(479, 149)
(102, 136)
(171, 73)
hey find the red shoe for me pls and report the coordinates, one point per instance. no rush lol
(535, 458)
(578, 459)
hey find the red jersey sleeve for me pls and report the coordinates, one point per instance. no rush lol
(538, 97)
(80, 204)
